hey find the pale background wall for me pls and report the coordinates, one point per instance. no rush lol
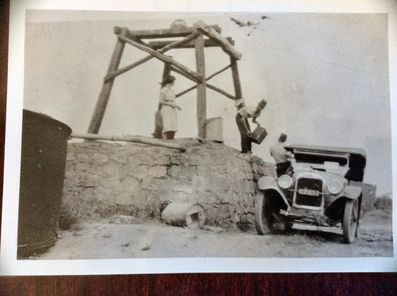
(325, 77)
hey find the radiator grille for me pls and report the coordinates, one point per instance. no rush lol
(309, 192)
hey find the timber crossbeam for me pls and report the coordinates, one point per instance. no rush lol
(207, 43)
(162, 33)
(134, 139)
(162, 57)
(176, 70)
(221, 91)
(196, 37)
(207, 79)
(223, 42)
(164, 49)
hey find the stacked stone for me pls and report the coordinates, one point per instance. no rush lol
(103, 179)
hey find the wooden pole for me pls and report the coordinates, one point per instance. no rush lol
(217, 89)
(236, 78)
(217, 72)
(162, 57)
(176, 70)
(158, 120)
(208, 78)
(162, 33)
(167, 47)
(222, 92)
(185, 91)
(135, 139)
(223, 42)
(207, 43)
(201, 87)
(166, 70)
(107, 86)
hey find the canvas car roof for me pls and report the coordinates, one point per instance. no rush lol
(315, 148)
(357, 157)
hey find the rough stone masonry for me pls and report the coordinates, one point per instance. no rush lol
(104, 179)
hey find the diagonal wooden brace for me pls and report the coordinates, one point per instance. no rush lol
(161, 33)
(184, 74)
(103, 99)
(214, 35)
(207, 79)
(163, 58)
(222, 92)
(149, 57)
(156, 45)
(213, 87)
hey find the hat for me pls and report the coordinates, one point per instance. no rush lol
(282, 137)
(262, 103)
(167, 79)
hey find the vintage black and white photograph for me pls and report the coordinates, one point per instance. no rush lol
(205, 135)
(167, 135)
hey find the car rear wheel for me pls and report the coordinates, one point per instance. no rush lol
(350, 221)
(267, 217)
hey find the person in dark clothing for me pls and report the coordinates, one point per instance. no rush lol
(243, 113)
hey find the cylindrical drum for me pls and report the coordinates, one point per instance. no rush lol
(214, 129)
(184, 214)
(44, 144)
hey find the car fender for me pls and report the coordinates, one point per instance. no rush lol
(350, 192)
(269, 183)
(337, 202)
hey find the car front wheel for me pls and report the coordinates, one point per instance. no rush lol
(267, 217)
(350, 221)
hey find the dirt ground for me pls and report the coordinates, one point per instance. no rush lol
(125, 237)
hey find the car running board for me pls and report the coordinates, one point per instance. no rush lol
(302, 226)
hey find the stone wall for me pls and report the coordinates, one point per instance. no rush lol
(103, 179)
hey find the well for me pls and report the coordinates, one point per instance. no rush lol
(103, 179)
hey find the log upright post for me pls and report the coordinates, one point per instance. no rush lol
(162, 57)
(192, 37)
(236, 78)
(166, 69)
(158, 121)
(107, 86)
(201, 87)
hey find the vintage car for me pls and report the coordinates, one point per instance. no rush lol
(314, 194)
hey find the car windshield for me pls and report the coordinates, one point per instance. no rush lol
(320, 158)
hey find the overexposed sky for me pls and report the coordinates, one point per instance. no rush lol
(325, 77)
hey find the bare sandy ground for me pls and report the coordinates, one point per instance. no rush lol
(124, 237)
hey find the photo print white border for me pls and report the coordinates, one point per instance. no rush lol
(9, 265)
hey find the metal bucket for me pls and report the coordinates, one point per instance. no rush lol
(44, 144)
(258, 135)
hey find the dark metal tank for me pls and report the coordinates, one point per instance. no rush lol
(44, 144)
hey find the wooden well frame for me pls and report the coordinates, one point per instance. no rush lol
(197, 37)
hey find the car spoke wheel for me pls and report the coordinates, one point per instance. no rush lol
(261, 223)
(266, 216)
(350, 221)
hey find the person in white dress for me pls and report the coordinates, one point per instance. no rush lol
(168, 108)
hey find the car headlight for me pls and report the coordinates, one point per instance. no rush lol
(335, 186)
(285, 181)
